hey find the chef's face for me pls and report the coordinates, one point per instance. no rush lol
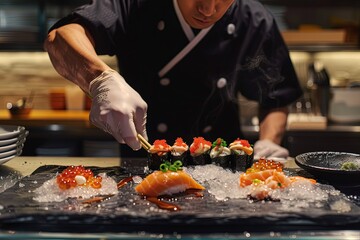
(201, 14)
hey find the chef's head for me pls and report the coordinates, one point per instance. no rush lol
(201, 14)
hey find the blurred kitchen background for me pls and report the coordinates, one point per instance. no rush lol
(323, 39)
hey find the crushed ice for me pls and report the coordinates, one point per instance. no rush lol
(50, 192)
(9, 180)
(224, 184)
(137, 179)
(340, 206)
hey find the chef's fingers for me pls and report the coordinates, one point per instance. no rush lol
(125, 130)
(106, 123)
(97, 123)
(140, 121)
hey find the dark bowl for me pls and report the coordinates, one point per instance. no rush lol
(326, 166)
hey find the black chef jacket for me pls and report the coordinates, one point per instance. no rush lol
(243, 52)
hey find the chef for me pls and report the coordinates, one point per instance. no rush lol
(181, 64)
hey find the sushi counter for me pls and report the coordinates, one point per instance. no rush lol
(128, 216)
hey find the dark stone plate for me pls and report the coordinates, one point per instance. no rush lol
(127, 212)
(327, 166)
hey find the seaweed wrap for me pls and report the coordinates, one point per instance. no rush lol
(243, 155)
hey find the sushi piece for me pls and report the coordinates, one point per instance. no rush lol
(75, 182)
(74, 176)
(167, 181)
(261, 170)
(158, 154)
(242, 155)
(220, 153)
(265, 177)
(199, 151)
(179, 151)
(264, 182)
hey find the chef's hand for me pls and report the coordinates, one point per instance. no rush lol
(268, 149)
(117, 108)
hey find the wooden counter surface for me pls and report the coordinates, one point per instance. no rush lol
(41, 117)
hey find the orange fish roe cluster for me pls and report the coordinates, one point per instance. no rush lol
(161, 144)
(66, 179)
(197, 143)
(180, 142)
(265, 164)
(243, 142)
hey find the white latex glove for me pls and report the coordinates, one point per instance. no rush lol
(117, 108)
(268, 149)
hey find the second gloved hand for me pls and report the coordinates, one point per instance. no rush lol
(266, 148)
(117, 108)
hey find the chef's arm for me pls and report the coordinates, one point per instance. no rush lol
(272, 129)
(71, 51)
(116, 107)
(273, 124)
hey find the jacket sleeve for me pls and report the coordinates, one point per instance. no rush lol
(106, 20)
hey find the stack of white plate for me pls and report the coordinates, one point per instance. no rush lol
(12, 139)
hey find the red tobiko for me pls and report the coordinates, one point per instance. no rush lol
(197, 142)
(161, 144)
(180, 142)
(245, 143)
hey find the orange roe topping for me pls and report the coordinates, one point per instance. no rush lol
(197, 143)
(161, 144)
(264, 164)
(66, 179)
(245, 143)
(180, 142)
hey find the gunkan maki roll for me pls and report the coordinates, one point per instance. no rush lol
(243, 155)
(159, 152)
(179, 151)
(199, 151)
(220, 153)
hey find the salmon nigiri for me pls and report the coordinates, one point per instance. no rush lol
(166, 183)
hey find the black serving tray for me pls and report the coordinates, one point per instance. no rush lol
(127, 212)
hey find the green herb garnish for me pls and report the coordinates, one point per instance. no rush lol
(350, 166)
(166, 166)
(256, 181)
(219, 143)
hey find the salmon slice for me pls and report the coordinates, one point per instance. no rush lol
(278, 180)
(272, 178)
(166, 183)
(247, 179)
(298, 178)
